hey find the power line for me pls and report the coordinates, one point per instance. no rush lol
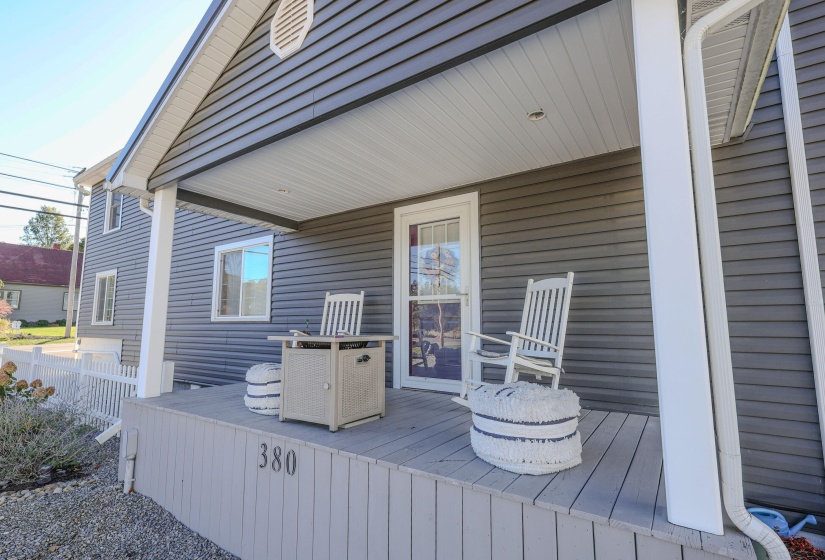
(40, 212)
(44, 199)
(75, 169)
(36, 181)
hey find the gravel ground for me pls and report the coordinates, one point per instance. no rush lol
(97, 520)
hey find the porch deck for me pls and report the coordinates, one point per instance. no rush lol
(190, 442)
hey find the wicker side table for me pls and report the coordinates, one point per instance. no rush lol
(330, 385)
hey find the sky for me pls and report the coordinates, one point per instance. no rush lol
(76, 77)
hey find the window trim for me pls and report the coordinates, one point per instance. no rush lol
(109, 195)
(19, 297)
(267, 240)
(66, 300)
(98, 276)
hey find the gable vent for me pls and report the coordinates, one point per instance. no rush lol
(290, 26)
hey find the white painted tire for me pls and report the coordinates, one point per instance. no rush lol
(525, 428)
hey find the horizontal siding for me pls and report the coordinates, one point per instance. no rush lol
(38, 302)
(587, 217)
(354, 52)
(778, 421)
(127, 251)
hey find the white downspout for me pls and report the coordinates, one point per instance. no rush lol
(144, 207)
(805, 232)
(727, 429)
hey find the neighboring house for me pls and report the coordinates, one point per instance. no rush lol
(546, 142)
(36, 281)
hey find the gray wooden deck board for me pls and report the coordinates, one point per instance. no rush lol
(618, 485)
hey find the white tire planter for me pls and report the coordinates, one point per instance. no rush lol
(263, 389)
(526, 428)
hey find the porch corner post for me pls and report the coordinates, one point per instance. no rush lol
(682, 370)
(153, 336)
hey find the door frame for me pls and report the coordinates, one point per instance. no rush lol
(469, 200)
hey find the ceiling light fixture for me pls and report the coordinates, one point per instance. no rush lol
(536, 115)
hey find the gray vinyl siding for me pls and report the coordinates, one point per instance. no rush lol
(587, 217)
(778, 421)
(127, 251)
(355, 52)
(38, 302)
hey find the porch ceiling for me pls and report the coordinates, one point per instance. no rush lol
(470, 124)
(464, 125)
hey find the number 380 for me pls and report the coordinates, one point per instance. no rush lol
(291, 459)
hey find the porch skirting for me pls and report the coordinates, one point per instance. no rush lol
(239, 480)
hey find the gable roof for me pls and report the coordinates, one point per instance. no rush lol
(24, 264)
(217, 37)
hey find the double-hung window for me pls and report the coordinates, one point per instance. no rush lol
(242, 284)
(104, 309)
(114, 211)
(12, 297)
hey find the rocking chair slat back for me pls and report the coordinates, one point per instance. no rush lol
(545, 316)
(342, 312)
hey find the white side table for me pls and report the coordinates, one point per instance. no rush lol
(332, 385)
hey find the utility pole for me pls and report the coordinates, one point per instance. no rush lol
(75, 250)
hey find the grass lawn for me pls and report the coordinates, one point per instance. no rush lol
(41, 335)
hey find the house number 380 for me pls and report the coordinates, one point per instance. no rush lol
(291, 459)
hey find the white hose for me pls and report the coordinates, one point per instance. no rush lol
(727, 429)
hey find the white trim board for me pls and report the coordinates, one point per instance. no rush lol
(470, 202)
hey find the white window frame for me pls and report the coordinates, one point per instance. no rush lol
(109, 196)
(98, 276)
(267, 240)
(4, 293)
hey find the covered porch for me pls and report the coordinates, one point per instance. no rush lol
(407, 486)
(603, 82)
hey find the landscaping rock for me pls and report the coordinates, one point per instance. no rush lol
(92, 518)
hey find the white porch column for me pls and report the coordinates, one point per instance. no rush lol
(688, 439)
(153, 337)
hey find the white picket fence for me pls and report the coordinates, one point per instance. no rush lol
(96, 388)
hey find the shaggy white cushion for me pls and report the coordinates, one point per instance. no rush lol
(525, 428)
(263, 389)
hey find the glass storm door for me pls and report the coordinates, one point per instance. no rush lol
(436, 300)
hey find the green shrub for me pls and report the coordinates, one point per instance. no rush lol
(33, 436)
(41, 323)
(60, 322)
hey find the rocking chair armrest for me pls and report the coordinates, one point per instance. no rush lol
(490, 338)
(531, 339)
(298, 333)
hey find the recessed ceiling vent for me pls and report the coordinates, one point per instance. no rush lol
(290, 26)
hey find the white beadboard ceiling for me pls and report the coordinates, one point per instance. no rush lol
(469, 123)
(464, 125)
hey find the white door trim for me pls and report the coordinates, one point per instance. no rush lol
(469, 200)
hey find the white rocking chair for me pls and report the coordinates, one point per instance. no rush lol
(538, 346)
(342, 315)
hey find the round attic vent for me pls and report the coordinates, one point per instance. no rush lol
(290, 26)
(536, 115)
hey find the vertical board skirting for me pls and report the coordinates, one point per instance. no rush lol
(306, 502)
(358, 489)
(321, 511)
(448, 521)
(423, 518)
(575, 538)
(289, 548)
(237, 487)
(400, 516)
(339, 508)
(276, 505)
(613, 543)
(378, 513)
